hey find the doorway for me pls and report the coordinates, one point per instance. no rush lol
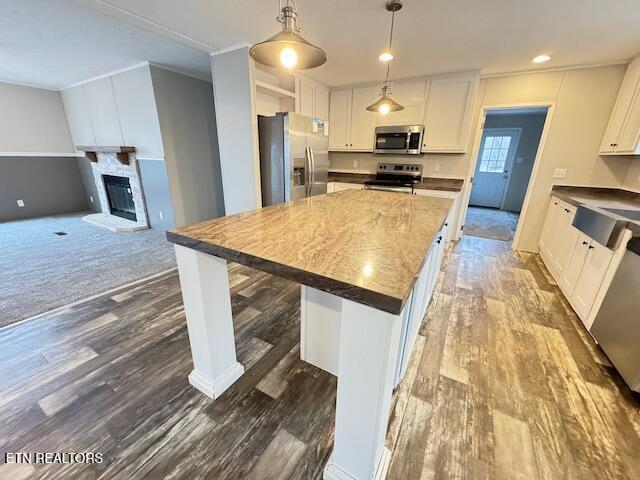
(505, 160)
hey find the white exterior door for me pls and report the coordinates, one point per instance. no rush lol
(497, 151)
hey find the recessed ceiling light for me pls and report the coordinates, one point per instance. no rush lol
(385, 57)
(541, 59)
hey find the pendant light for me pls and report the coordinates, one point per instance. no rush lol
(287, 48)
(385, 103)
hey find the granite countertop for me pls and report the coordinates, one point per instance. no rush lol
(364, 245)
(427, 183)
(600, 198)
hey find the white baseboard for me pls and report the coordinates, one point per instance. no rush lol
(213, 388)
(333, 472)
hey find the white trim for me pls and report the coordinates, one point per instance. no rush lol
(554, 69)
(231, 48)
(109, 74)
(40, 154)
(156, 159)
(466, 192)
(29, 85)
(87, 299)
(213, 388)
(156, 27)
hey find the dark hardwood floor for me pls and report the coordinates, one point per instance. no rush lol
(504, 383)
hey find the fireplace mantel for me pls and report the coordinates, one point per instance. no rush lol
(122, 152)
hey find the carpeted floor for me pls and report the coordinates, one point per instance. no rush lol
(40, 270)
(491, 223)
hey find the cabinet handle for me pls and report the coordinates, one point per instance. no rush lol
(446, 224)
(591, 247)
(585, 243)
(555, 203)
(567, 210)
(439, 240)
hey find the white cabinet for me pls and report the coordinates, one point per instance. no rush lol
(351, 126)
(623, 130)
(577, 262)
(312, 98)
(363, 121)
(588, 283)
(451, 223)
(411, 95)
(449, 111)
(339, 186)
(339, 120)
(77, 111)
(103, 112)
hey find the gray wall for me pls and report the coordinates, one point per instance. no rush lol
(91, 191)
(48, 186)
(187, 122)
(532, 125)
(156, 194)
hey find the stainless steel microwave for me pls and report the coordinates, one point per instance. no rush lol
(400, 140)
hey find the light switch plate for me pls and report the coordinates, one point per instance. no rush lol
(560, 173)
(20, 203)
(91, 198)
(436, 167)
(355, 164)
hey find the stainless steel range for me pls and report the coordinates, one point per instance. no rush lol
(397, 177)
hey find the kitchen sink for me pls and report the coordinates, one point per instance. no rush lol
(633, 215)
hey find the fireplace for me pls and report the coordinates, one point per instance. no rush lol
(120, 197)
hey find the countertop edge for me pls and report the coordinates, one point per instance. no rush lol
(379, 301)
(360, 178)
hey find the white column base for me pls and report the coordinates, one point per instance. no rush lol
(213, 388)
(333, 472)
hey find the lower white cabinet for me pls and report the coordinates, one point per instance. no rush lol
(452, 220)
(338, 186)
(578, 263)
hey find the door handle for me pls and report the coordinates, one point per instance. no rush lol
(313, 169)
(307, 161)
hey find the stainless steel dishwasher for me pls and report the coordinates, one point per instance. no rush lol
(617, 325)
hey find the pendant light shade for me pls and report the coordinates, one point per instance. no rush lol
(288, 48)
(385, 103)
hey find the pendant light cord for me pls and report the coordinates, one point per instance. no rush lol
(393, 16)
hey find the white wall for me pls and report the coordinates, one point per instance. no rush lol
(632, 179)
(187, 122)
(236, 118)
(32, 121)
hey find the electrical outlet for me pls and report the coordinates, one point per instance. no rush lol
(436, 167)
(560, 173)
(20, 203)
(355, 164)
(161, 216)
(91, 198)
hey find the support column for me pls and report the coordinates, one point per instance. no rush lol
(368, 351)
(204, 281)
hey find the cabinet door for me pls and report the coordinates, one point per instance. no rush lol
(77, 111)
(339, 119)
(572, 270)
(449, 110)
(546, 237)
(564, 238)
(307, 94)
(588, 284)
(363, 122)
(620, 109)
(103, 112)
(321, 102)
(411, 95)
(628, 139)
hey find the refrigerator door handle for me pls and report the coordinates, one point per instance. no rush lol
(313, 169)
(307, 162)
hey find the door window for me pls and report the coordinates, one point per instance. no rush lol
(494, 154)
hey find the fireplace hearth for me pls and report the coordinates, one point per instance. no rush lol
(120, 197)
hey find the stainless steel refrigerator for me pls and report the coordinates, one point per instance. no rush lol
(294, 159)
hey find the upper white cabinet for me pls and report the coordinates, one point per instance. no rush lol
(77, 111)
(103, 112)
(411, 95)
(448, 113)
(623, 130)
(351, 125)
(444, 104)
(312, 99)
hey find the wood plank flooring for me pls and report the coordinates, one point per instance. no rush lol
(491, 223)
(504, 383)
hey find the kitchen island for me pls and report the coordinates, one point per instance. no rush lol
(366, 262)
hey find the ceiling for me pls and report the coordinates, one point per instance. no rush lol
(42, 43)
